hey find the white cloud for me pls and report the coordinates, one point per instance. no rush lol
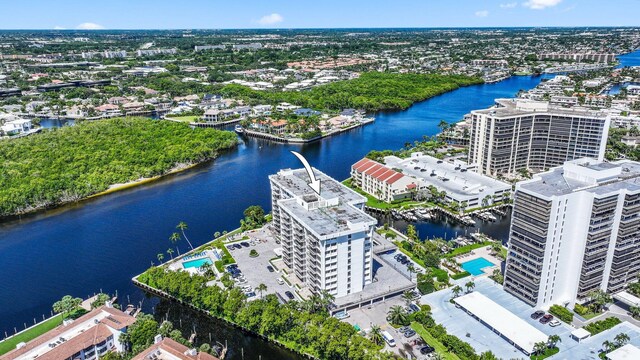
(540, 4)
(58, 28)
(89, 26)
(482, 13)
(271, 19)
(509, 5)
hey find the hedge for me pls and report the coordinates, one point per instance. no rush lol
(580, 309)
(460, 275)
(562, 313)
(602, 325)
(441, 275)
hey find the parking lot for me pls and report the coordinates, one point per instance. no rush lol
(479, 336)
(255, 269)
(389, 257)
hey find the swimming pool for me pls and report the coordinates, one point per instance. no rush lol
(475, 266)
(196, 263)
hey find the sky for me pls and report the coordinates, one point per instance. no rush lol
(239, 14)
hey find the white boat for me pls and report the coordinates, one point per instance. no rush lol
(239, 129)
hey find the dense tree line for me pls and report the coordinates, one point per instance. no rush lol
(372, 91)
(71, 163)
(299, 325)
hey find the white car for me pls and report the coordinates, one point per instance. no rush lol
(554, 323)
(280, 281)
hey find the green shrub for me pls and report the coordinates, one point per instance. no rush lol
(441, 275)
(602, 325)
(580, 309)
(425, 287)
(460, 275)
(561, 313)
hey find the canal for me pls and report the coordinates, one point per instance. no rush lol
(101, 243)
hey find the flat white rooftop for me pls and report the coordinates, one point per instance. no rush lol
(452, 178)
(627, 352)
(501, 320)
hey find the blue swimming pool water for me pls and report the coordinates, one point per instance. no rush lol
(475, 266)
(197, 263)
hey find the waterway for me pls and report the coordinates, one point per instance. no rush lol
(101, 243)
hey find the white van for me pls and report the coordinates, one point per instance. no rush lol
(388, 338)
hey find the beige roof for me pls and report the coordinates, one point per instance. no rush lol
(115, 319)
(174, 349)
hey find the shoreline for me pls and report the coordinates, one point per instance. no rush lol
(113, 188)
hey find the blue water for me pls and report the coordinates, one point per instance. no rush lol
(196, 263)
(475, 266)
(630, 59)
(104, 242)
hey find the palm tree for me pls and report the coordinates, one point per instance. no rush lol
(554, 340)
(170, 252)
(621, 339)
(608, 345)
(183, 226)
(408, 296)
(539, 347)
(397, 315)
(376, 335)
(160, 257)
(261, 288)
(216, 234)
(634, 311)
(470, 285)
(174, 238)
(411, 269)
(456, 291)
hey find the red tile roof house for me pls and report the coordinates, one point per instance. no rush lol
(168, 349)
(88, 337)
(381, 182)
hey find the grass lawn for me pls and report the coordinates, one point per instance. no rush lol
(187, 119)
(34, 332)
(547, 353)
(440, 349)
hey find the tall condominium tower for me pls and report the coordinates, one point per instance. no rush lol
(326, 238)
(574, 229)
(520, 134)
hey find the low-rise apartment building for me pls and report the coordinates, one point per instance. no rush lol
(169, 349)
(575, 229)
(88, 337)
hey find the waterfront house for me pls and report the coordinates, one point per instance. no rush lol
(16, 127)
(213, 115)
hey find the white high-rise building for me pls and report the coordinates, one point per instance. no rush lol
(575, 229)
(520, 134)
(326, 239)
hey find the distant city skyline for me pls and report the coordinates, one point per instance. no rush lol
(285, 14)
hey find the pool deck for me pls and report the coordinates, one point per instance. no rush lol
(483, 252)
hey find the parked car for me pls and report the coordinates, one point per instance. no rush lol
(536, 315)
(237, 246)
(280, 281)
(554, 323)
(403, 329)
(289, 295)
(545, 319)
(270, 268)
(414, 307)
(426, 350)
(231, 247)
(245, 244)
(409, 333)
(250, 294)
